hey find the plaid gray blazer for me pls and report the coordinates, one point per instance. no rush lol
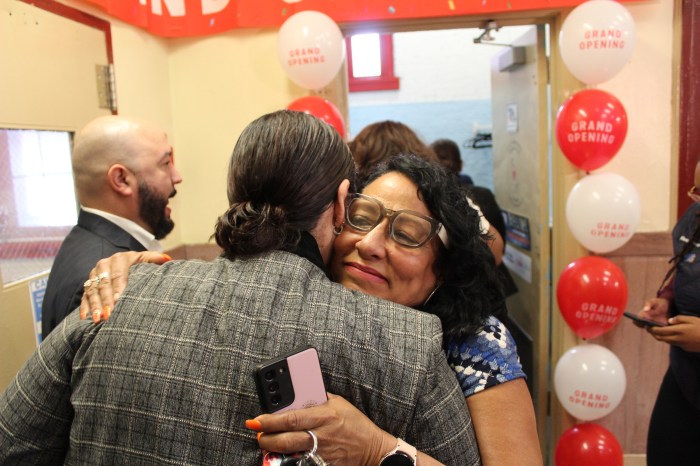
(168, 379)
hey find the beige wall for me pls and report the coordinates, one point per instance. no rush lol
(219, 84)
(203, 91)
(644, 86)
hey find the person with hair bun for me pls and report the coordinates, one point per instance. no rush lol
(412, 237)
(168, 377)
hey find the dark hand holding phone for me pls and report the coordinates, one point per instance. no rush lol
(291, 381)
(646, 322)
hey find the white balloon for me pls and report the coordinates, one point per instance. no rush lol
(596, 40)
(603, 211)
(589, 381)
(310, 48)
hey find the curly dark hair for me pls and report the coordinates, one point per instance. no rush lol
(284, 173)
(469, 290)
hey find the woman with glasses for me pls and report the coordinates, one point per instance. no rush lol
(411, 237)
(675, 420)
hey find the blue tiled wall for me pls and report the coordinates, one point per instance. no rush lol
(435, 120)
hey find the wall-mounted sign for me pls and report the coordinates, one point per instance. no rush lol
(519, 263)
(517, 230)
(512, 118)
(37, 290)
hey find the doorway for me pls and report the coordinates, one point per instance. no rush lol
(444, 92)
(452, 87)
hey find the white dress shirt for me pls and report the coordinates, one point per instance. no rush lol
(142, 235)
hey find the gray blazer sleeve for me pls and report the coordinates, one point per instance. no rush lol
(35, 409)
(441, 417)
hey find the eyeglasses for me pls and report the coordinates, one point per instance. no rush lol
(406, 227)
(694, 194)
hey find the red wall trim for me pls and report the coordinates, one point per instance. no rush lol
(386, 81)
(689, 137)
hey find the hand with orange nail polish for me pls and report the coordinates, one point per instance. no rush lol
(253, 424)
(339, 427)
(108, 280)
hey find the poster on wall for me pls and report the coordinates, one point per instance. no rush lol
(37, 290)
(519, 263)
(512, 118)
(517, 230)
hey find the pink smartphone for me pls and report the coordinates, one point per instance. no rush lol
(291, 381)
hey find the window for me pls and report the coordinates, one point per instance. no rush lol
(371, 63)
(37, 200)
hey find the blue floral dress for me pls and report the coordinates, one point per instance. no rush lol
(487, 358)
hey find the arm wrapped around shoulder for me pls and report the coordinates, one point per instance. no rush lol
(443, 427)
(35, 410)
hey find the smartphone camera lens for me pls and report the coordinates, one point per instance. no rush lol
(273, 387)
(269, 375)
(275, 399)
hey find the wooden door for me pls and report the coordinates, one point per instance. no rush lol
(521, 185)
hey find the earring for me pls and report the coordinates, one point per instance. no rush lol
(431, 295)
(338, 230)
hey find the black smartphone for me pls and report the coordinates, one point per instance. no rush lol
(290, 381)
(650, 323)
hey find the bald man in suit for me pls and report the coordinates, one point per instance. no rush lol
(124, 177)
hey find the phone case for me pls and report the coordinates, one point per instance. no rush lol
(291, 381)
(636, 318)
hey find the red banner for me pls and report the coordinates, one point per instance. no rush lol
(178, 18)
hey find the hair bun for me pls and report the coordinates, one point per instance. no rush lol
(248, 229)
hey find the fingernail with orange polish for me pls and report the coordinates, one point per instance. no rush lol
(167, 257)
(108, 312)
(259, 435)
(253, 424)
(96, 315)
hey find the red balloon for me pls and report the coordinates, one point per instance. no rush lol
(588, 445)
(592, 295)
(591, 127)
(320, 108)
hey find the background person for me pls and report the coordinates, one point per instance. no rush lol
(124, 176)
(675, 419)
(378, 142)
(448, 153)
(450, 157)
(168, 377)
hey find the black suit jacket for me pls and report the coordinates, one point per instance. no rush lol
(92, 239)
